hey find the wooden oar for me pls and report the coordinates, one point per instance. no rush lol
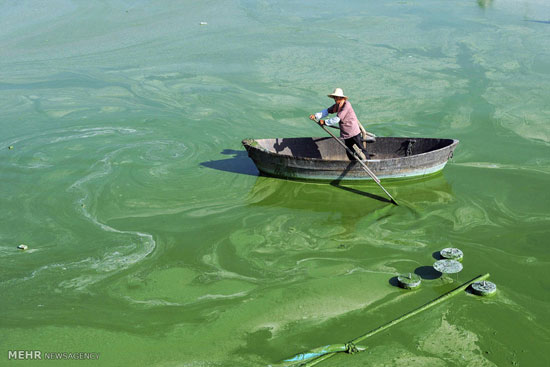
(367, 169)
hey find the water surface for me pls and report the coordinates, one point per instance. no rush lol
(153, 240)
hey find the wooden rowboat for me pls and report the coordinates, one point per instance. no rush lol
(324, 159)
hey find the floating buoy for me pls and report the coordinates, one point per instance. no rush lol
(451, 253)
(409, 281)
(10, 147)
(204, 23)
(447, 266)
(22, 247)
(484, 288)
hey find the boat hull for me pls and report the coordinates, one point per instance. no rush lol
(324, 159)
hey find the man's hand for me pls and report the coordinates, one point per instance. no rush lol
(321, 122)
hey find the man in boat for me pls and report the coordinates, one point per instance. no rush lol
(350, 128)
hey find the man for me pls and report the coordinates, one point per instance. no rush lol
(350, 129)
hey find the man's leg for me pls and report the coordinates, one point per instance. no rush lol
(350, 143)
(356, 140)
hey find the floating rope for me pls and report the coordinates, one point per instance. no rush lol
(426, 306)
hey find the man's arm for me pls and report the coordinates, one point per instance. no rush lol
(331, 122)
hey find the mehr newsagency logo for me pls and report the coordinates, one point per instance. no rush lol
(40, 355)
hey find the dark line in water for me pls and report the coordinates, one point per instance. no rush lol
(336, 183)
(359, 192)
(537, 21)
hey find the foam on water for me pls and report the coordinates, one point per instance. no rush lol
(488, 165)
(138, 245)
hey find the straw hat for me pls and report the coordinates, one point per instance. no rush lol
(338, 92)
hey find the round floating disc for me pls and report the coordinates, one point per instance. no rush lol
(409, 281)
(484, 288)
(447, 266)
(451, 253)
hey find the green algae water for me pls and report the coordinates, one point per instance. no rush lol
(152, 239)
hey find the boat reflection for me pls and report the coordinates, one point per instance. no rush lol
(348, 199)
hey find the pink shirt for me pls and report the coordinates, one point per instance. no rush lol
(349, 124)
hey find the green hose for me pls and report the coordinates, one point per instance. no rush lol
(426, 306)
(333, 348)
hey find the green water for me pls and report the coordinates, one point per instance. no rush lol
(154, 242)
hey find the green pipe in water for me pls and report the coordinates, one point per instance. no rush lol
(333, 348)
(426, 306)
